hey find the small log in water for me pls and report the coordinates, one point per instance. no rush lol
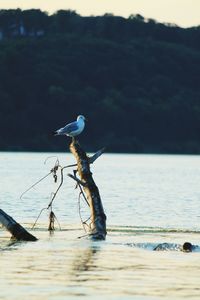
(98, 217)
(18, 232)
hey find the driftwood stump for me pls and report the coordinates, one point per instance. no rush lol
(18, 232)
(98, 217)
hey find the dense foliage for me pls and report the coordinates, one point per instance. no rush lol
(136, 81)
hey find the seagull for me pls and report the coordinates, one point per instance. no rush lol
(72, 129)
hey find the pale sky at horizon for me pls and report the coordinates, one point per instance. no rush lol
(184, 13)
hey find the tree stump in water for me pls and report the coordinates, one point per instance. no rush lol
(98, 217)
(18, 232)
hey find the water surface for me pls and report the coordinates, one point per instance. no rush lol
(148, 199)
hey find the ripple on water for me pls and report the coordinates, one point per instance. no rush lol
(154, 200)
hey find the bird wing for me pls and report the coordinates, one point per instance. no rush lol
(68, 128)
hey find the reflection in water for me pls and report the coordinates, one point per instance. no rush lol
(160, 205)
(85, 259)
(10, 246)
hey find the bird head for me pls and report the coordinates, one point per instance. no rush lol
(81, 117)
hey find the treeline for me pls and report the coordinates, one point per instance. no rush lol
(136, 81)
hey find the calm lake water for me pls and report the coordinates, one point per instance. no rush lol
(148, 199)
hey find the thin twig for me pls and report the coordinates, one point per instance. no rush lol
(91, 161)
(57, 222)
(32, 186)
(82, 236)
(50, 203)
(38, 217)
(79, 183)
(79, 210)
(80, 187)
(61, 182)
(53, 170)
(57, 160)
(53, 197)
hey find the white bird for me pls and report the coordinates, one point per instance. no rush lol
(72, 129)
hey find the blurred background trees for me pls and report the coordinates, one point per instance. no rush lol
(136, 80)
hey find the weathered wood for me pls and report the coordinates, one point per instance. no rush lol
(77, 180)
(18, 232)
(96, 155)
(91, 158)
(98, 217)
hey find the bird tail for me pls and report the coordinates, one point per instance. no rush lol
(58, 132)
(55, 132)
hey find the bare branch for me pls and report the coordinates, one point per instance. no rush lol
(98, 217)
(96, 155)
(77, 180)
(18, 232)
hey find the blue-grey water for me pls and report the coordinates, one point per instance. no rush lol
(148, 199)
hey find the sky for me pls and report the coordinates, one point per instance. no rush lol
(184, 13)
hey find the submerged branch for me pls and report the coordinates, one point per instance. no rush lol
(98, 217)
(18, 231)
(80, 184)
